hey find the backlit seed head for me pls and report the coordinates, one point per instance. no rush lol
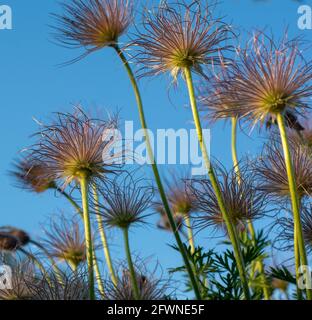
(76, 146)
(181, 200)
(93, 24)
(150, 288)
(65, 286)
(30, 175)
(215, 102)
(286, 229)
(242, 201)
(178, 36)
(271, 172)
(64, 240)
(126, 201)
(267, 78)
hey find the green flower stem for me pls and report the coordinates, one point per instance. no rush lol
(133, 277)
(294, 196)
(96, 264)
(251, 228)
(98, 274)
(103, 237)
(157, 175)
(190, 234)
(297, 264)
(215, 184)
(233, 145)
(88, 235)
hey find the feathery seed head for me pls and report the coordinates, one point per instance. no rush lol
(286, 231)
(29, 175)
(93, 24)
(125, 201)
(241, 199)
(71, 286)
(150, 288)
(65, 241)
(181, 201)
(76, 146)
(179, 36)
(268, 78)
(271, 170)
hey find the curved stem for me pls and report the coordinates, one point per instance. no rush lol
(251, 228)
(96, 265)
(88, 235)
(294, 196)
(215, 184)
(157, 175)
(103, 237)
(133, 277)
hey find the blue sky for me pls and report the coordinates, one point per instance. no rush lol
(32, 86)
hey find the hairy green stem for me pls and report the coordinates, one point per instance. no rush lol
(233, 146)
(297, 264)
(133, 277)
(157, 175)
(96, 264)
(88, 236)
(103, 237)
(215, 184)
(293, 195)
(251, 228)
(98, 275)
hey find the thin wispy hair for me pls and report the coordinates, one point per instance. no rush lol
(177, 35)
(92, 24)
(241, 197)
(125, 200)
(267, 78)
(74, 145)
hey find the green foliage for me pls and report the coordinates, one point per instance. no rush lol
(217, 273)
(283, 274)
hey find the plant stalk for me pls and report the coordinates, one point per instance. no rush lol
(98, 275)
(157, 175)
(103, 237)
(251, 228)
(294, 196)
(88, 235)
(215, 184)
(96, 265)
(133, 277)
